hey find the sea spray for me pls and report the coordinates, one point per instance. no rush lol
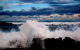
(41, 30)
(22, 38)
(6, 38)
(33, 29)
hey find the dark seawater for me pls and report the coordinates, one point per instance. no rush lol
(8, 27)
(63, 20)
(66, 27)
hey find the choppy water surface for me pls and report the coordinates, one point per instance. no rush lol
(23, 33)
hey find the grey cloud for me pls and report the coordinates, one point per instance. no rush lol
(1, 8)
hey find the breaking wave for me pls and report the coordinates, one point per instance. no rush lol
(33, 29)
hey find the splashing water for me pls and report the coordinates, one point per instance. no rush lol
(33, 29)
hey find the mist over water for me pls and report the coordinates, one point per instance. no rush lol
(33, 29)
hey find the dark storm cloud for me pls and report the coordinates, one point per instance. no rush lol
(30, 1)
(77, 0)
(61, 6)
(54, 3)
(1, 8)
(47, 1)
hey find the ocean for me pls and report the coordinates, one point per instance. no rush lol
(23, 33)
(63, 20)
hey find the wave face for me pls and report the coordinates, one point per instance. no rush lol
(34, 29)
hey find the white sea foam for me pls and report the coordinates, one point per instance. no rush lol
(33, 29)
